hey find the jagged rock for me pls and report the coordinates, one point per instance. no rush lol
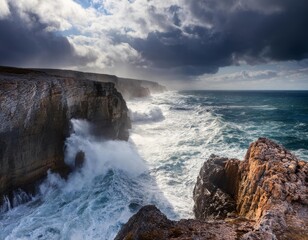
(269, 186)
(144, 225)
(274, 191)
(263, 197)
(210, 200)
(150, 224)
(36, 109)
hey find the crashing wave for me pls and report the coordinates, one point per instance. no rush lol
(154, 114)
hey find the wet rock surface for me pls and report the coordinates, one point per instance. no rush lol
(265, 196)
(150, 224)
(36, 109)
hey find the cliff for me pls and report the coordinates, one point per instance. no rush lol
(129, 88)
(265, 196)
(36, 109)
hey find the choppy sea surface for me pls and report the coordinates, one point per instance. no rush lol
(173, 133)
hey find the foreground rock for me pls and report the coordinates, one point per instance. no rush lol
(263, 197)
(150, 224)
(36, 109)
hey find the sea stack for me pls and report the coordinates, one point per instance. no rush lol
(265, 196)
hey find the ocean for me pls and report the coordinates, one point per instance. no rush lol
(173, 133)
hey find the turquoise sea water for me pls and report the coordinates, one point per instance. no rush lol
(279, 115)
(172, 135)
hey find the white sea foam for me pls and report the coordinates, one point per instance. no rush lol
(175, 148)
(257, 107)
(153, 114)
(171, 137)
(18, 197)
(101, 156)
(94, 201)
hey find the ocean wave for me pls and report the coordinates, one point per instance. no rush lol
(153, 114)
(255, 107)
(159, 165)
(100, 155)
(94, 201)
(18, 197)
(180, 108)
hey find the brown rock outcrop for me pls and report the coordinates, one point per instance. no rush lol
(150, 224)
(36, 109)
(129, 88)
(263, 197)
(214, 190)
(273, 190)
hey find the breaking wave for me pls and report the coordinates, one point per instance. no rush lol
(154, 114)
(172, 135)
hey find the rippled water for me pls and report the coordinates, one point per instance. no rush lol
(173, 134)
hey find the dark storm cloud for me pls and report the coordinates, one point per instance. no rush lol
(173, 50)
(254, 31)
(29, 44)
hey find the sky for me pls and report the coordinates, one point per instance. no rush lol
(197, 44)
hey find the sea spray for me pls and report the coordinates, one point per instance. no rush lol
(18, 197)
(95, 200)
(153, 114)
(98, 198)
(101, 155)
(197, 124)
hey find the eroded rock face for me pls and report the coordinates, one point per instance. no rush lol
(265, 196)
(129, 88)
(150, 224)
(36, 109)
(212, 196)
(270, 186)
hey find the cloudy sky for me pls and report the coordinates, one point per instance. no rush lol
(210, 44)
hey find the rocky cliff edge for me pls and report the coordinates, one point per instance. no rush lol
(263, 197)
(36, 109)
(129, 88)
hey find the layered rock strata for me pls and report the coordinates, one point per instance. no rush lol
(265, 196)
(129, 88)
(36, 109)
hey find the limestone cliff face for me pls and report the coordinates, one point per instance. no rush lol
(132, 88)
(265, 196)
(129, 88)
(35, 115)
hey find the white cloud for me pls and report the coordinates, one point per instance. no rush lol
(4, 9)
(94, 31)
(58, 15)
(239, 76)
(285, 75)
(90, 30)
(107, 53)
